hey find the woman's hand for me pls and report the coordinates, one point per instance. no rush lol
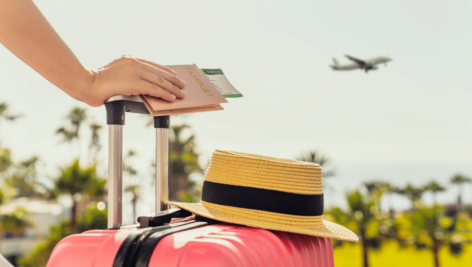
(133, 76)
(27, 34)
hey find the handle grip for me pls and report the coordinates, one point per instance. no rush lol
(116, 108)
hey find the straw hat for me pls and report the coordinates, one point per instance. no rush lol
(271, 193)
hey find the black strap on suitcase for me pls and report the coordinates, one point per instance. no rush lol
(136, 250)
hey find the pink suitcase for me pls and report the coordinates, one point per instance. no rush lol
(172, 237)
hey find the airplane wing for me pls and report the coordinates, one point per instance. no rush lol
(358, 61)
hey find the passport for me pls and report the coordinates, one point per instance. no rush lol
(202, 95)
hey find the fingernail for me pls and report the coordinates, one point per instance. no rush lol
(173, 97)
(183, 82)
(183, 92)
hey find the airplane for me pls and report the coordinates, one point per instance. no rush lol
(369, 64)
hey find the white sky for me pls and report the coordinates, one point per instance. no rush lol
(414, 111)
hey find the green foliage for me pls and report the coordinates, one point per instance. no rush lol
(375, 187)
(394, 255)
(39, 256)
(183, 160)
(77, 180)
(414, 194)
(127, 167)
(192, 195)
(5, 114)
(460, 179)
(430, 229)
(434, 187)
(75, 119)
(427, 221)
(135, 191)
(360, 217)
(16, 221)
(5, 159)
(321, 159)
(24, 179)
(92, 218)
(361, 206)
(94, 146)
(426, 228)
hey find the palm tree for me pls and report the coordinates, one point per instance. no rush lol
(95, 145)
(132, 188)
(183, 160)
(390, 190)
(76, 117)
(414, 194)
(430, 221)
(128, 168)
(321, 159)
(69, 133)
(91, 218)
(361, 213)
(434, 188)
(376, 189)
(75, 181)
(16, 221)
(24, 179)
(5, 159)
(135, 192)
(5, 114)
(460, 180)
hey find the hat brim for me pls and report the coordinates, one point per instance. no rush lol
(308, 225)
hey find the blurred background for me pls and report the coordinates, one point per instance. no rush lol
(395, 144)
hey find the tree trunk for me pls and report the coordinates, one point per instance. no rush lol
(436, 253)
(73, 218)
(134, 202)
(459, 198)
(391, 210)
(413, 206)
(364, 248)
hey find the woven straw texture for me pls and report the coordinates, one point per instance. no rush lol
(242, 169)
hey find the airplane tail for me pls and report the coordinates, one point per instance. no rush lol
(336, 62)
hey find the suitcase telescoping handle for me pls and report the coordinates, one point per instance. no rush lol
(117, 107)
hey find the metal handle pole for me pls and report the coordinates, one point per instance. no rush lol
(115, 175)
(162, 162)
(162, 165)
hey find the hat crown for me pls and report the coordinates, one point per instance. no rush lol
(271, 193)
(249, 170)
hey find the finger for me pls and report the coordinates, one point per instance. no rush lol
(169, 77)
(162, 83)
(164, 68)
(151, 89)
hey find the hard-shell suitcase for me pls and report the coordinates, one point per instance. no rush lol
(172, 237)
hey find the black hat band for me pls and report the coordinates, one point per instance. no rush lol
(262, 199)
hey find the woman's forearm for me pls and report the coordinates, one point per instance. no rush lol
(27, 34)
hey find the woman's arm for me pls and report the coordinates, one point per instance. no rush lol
(27, 34)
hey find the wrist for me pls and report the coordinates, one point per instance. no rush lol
(84, 88)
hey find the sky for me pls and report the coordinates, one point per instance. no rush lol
(406, 122)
